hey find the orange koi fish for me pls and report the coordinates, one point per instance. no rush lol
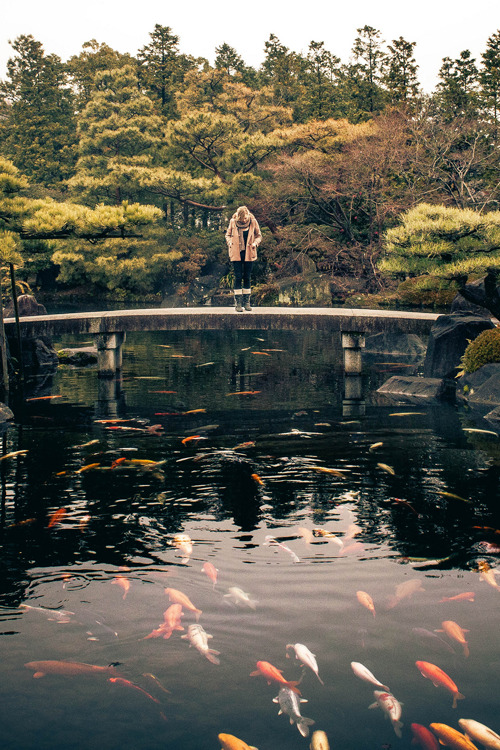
(56, 517)
(124, 584)
(257, 479)
(456, 633)
(424, 738)
(439, 679)
(265, 669)
(68, 668)
(171, 621)
(88, 467)
(230, 742)
(247, 444)
(452, 738)
(13, 454)
(326, 470)
(264, 354)
(211, 571)
(191, 437)
(467, 596)
(42, 398)
(366, 600)
(243, 393)
(179, 598)
(111, 421)
(128, 683)
(194, 411)
(162, 391)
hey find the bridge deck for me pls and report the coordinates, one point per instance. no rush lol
(224, 318)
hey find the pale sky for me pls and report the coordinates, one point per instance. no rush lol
(441, 28)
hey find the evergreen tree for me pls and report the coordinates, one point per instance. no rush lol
(321, 72)
(83, 68)
(38, 130)
(229, 60)
(162, 68)
(489, 77)
(282, 69)
(366, 72)
(401, 72)
(119, 133)
(457, 87)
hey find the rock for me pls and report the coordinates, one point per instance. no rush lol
(26, 305)
(38, 353)
(85, 355)
(410, 347)
(482, 386)
(418, 390)
(448, 340)
(5, 414)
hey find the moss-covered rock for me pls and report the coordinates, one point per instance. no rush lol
(482, 350)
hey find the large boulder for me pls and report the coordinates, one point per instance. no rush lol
(38, 352)
(460, 304)
(448, 340)
(418, 390)
(482, 386)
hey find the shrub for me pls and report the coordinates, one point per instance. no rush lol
(482, 350)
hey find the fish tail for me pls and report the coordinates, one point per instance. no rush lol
(197, 612)
(466, 650)
(319, 678)
(211, 655)
(292, 684)
(457, 697)
(303, 726)
(397, 728)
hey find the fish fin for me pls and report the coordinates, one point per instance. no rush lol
(178, 627)
(387, 689)
(255, 674)
(275, 700)
(303, 726)
(440, 630)
(292, 684)
(466, 650)
(37, 675)
(211, 656)
(397, 728)
(457, 697)
(373, 705)
(319, 678)
(291, 720)
(304, 700)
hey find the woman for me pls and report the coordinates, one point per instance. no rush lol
(242, 237)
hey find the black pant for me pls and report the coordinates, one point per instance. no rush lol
(242, 273)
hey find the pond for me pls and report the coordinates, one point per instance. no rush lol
(225, 478)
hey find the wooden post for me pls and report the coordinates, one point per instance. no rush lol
(18, 327)
(3, 350)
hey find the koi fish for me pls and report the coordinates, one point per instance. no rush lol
(289, 704)
(198, 638)
(42, 398)
(56, 517)
(319, 741)
(157, 682)
(183, 542)
(243, 393)
(85, 445)
(364, 674)
(482, 432)
(387, 468)
(408, 505)
(171, 621)
(456, 633)
(257, 479)
(424, 737)
(327, 470)
(366, 600)
(467, 596)
(230, 742)
(238, 596)
(270, 540)
(390, 706)
(68, 668)
(194, 411)
(404, 591)
(451, 737)
(374, 446)
(474, 730)
(487, 574)
(272, 674)
(306, 534)
(407, 413)
(188, 439)
(13, 454)
(123, 583)
(128, 683)
(211, 571)
(247, 444)
(452, 496)
(439, 679)
(432, 640)
(88, 467)
(61, 616)
(205, 364)
(179, 598)
(264, 354)
(305, 657)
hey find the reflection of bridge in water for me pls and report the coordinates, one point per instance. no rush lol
(110, 328)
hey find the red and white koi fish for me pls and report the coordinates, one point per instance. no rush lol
(69, 668)
(210, 571)
(478, 732)
(456, 633)
(271, 540)
(305, 657)
(180, 598)
(439, 679)
(183, 543)
(366, 600)
(391, 707)
(198, 638)
(364, 674)
(272, 674)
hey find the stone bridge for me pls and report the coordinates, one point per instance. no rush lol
(109, 328)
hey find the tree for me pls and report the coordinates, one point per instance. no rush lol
(401, 72)
(457, 87)
(489, 77)
(229, 60)
(321, 72)
(118, 133)
(83, 68)
(367, 71)
(281, 69)
(162, 68)
(38, 132)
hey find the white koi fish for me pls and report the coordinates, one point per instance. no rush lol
(480, 733)
(238, 596)
(319, 741)
(305, 657)
(270, 540)
(364, 674)
(61, 616)
(404, 591)
(390, 706)
(198, 638)
(289, 703)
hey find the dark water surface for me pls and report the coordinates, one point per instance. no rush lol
(422, 510)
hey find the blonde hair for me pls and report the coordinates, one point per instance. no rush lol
(242, 213)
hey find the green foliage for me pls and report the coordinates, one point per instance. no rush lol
(484, 349)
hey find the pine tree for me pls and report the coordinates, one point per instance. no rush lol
(401, 72)
(38, 131)
(83, 68)
(367, 70)
(282, 69)
(489, 77)
(457, 87)
(320, 77)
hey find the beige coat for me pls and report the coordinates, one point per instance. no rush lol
(253, 240)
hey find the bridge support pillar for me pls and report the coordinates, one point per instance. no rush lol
(109, 353)
(352, 343)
